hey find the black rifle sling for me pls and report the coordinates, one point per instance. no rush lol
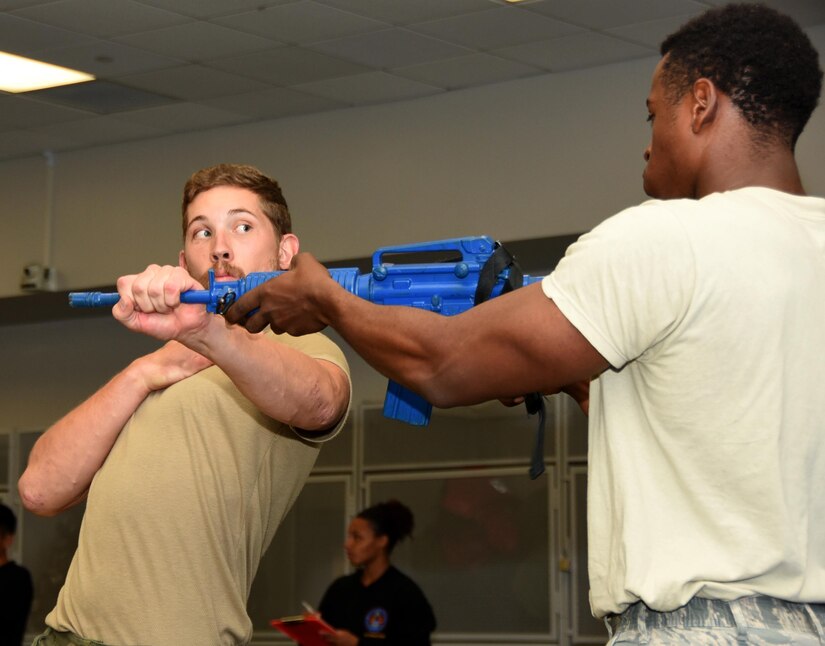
(498, 261)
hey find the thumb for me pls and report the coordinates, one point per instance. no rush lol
(124, 311)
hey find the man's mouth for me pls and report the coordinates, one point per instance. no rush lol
(223, 274)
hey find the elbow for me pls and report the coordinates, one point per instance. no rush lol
(331, 404)
(441, 398)
(327, 416)
(34, 498)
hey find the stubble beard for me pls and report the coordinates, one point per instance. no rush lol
(228, 269)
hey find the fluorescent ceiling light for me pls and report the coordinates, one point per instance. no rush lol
(19, 74)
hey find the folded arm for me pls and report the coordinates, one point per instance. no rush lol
(66, 457)
(281, 382)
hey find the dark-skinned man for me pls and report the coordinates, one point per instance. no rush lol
(701, 314)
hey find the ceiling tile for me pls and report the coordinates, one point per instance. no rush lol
(467, 71)
(100, 97)
(20, 111)
(301, 22)
(106, 59)
(404, 12)
(98, 131)
(102, 18)
(288, 66)
(371, 87)
(650, 34)
(273, 103)
(390, 48)
(8, 5)
(21, 36)
(211, 8)
(598, 14)
(182, 117)
(197, 41)
(584, 49)
(497, 27)
(192, 82)
(232, 60)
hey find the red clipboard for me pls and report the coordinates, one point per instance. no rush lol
(307, 630)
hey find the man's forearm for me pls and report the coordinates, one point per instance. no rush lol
(283, 383)
(514, 344)
(509, 346)
(66, 457)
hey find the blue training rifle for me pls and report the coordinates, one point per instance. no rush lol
(484, 270)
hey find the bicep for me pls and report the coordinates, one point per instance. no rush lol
(516, 344)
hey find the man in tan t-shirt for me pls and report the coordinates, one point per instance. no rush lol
(192, 455)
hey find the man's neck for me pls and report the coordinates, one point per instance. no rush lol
(770, 167)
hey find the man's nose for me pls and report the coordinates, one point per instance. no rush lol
(647, 154)
(220, 250)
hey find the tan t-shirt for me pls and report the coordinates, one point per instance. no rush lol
(181, 512)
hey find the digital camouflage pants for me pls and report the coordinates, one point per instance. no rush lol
(753, 621)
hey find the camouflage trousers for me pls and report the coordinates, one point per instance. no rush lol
(752, 621)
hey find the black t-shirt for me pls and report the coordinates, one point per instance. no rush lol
(15, 602)
(392, 609)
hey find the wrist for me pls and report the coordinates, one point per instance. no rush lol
(332, 302)
(138, 375)
(207, 336)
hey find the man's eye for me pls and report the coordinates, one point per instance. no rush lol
(203, 233)
(244, 228)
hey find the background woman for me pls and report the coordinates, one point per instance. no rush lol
(378, 601)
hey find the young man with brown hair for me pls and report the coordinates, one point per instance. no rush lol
(192, 455)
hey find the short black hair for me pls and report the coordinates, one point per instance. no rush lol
(757, 56)
(8, 521)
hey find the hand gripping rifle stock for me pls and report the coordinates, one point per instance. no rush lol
(447, 287)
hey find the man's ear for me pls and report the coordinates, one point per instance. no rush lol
(182, 260)
(705, 104)
(287, 248)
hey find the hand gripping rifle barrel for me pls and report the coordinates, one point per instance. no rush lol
(446, 287)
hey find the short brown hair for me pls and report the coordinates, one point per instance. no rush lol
(267, 189)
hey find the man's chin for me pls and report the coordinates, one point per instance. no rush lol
(649, 188)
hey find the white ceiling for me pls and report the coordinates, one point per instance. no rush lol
(167, 66)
